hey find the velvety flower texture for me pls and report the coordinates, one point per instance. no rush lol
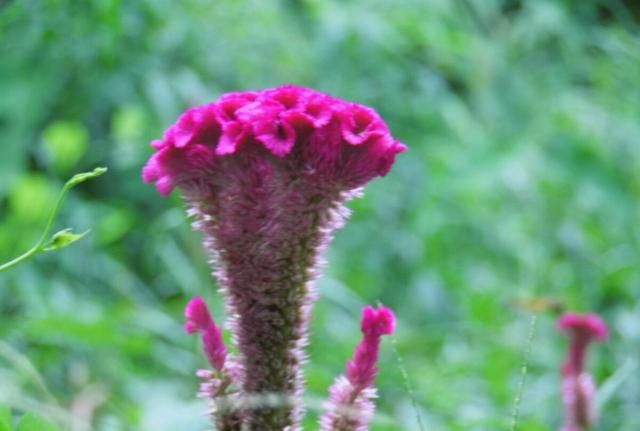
(265, 175)
(350, 406)
(308, 135)
(578, 387)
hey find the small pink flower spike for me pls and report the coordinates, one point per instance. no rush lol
(216, 385)
(350, 406)
(361, 370)
(199, 320)
(582, 329)
(578, 387)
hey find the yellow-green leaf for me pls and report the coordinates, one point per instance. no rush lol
(5, 419)
(33, 422)
(62, 239)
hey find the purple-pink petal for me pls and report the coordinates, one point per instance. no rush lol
(198, 316)
(280, 120)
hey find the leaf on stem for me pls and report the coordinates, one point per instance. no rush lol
(62, 239)
(80, 178)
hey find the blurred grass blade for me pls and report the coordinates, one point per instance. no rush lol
(12, 398)
(613, 383)
(33, 422)
(524, 368)
(407, 382)
(21, 362)
(405, 379)
(5, 419)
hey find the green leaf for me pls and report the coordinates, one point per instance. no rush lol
(62, 239)
(33, 422)
(80, 178)
(5, 419)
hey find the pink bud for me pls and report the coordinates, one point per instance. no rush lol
(378, 322)
(350, 405)
(361, 370)
(199, 320)
(198, 316)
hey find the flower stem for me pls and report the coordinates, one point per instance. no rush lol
(41, 245)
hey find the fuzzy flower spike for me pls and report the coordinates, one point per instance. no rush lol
(578, 387)
(199, 320)
(217, 383)
(350, 406)
(265, 175)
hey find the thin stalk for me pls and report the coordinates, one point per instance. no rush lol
(515, 416)
(45, 239)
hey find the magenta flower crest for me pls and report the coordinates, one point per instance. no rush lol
(265, 175)
(578, 386)
(350, 406)
(318, 136)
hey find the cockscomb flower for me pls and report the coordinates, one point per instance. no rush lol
(265, 175)
(578, 387)
(350, 406)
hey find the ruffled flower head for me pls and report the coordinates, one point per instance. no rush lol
(320, 137)
(361, 370)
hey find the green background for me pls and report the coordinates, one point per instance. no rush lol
(522, 180)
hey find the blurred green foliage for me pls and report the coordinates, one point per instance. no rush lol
(522, 180)
(32, 422)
